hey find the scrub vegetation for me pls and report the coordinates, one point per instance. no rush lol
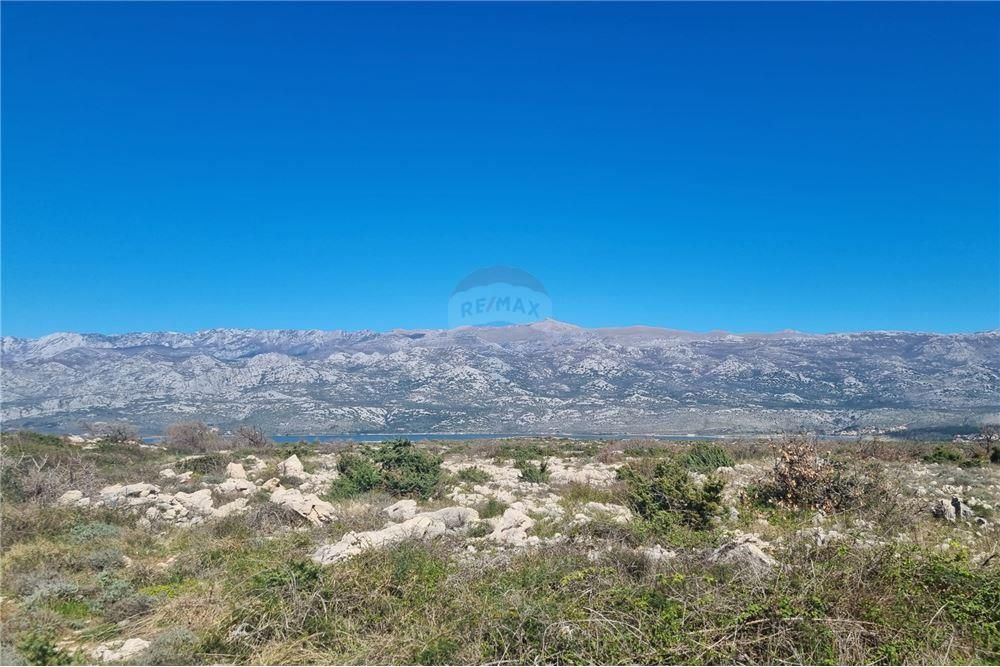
(618, 552)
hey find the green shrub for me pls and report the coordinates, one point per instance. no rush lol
(300, 449)
(534, 473)
(472, 475)
(208, 464)
(358, 474)
(38, 649)
(302, 574)
(407, 470)
(396, 467)
(45, 587)
(667, 495)
(995, 455)
(943, 454)
(105, 559)
(492, 508)
(480, 529)
(93, 530)
(707, 458)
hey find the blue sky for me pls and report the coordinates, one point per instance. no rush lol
(823, 167)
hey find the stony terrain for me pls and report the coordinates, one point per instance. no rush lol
(519, 551)
(546, 377)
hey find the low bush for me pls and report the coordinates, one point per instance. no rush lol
(396, 467)
(82, 533)
(300, 449)
(105, 559)
(472, 475)
(491, 508)
(533, 473)
(208, 464)
(193, 437)
(407, 470)
(705, 458)
(666, 495)
(38, 648)
(943, 454)
(358, 474)
(173, 646)
(802, 479)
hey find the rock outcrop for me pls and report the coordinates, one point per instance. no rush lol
(308, 505)
(292, 468)
(423, 526)
(745, 551)
(117, 651)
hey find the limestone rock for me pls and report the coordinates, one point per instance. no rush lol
(401, 511)
(199, 501)
(943, 509)
(292, 468)
(235, 471)
(257, 465)
(117, 651)
(236, 485)
(656, 553)
(512, 528)
(73, 499)
(424, 526)
(617, 513)
(745, 551)
(962, 511)
(238, 506)
(307, 505)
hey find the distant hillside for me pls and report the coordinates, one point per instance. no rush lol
(543, 377)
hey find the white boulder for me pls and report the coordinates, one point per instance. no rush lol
(117, 651)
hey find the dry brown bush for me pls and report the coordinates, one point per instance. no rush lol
(193, 437)
(804, 478)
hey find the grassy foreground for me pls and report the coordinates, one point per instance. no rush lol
(863, 572)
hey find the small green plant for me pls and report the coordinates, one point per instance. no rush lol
(38, 649)
(472, 475)
(705, 458)
(207, 464)
(300, 449)
(667, 496)
(995, 455)
(105, 559)
(301, 574)
(534, 473)
(943, 454)
(438, 651)
(93, 530)
(480, 529)
(492, 508)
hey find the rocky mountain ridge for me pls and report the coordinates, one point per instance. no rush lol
(543, 377)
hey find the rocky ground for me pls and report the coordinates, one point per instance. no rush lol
(514, 551)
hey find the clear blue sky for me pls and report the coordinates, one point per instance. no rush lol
(823, 167)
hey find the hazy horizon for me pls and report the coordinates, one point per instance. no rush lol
(786, 330)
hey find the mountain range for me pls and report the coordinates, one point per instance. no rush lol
(545, 377)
